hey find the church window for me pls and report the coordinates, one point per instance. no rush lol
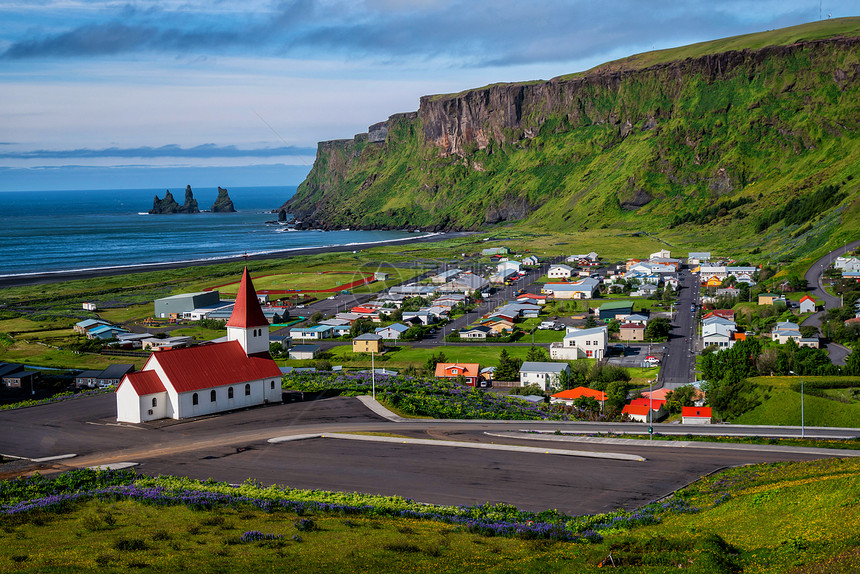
(273, 385)
(212, 396)
(194, 399)
(229, 392)
(154, 402)
(247, 390)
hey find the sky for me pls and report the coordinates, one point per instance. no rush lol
(130, 94)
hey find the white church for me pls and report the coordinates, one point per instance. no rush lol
(210, 378)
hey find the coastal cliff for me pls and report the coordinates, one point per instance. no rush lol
(170, 205)
(630, 142)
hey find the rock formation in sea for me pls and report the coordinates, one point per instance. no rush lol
(169, 204)
(223, 204)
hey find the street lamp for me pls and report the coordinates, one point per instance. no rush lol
(650, 409)
(802, 426)
(372, 376)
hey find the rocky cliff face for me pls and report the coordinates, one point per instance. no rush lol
(169, 204)
(223, 203)
(591, 149)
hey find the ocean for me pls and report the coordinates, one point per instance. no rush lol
(43, 231)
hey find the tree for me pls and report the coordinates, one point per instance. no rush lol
(430, 365)
(657, 328)
(590, 322)
(360, 326)
(680, 397)
(508, 368)
(588, 405)
(537, 354)
(316, 318)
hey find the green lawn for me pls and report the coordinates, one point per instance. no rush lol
(403, 356)
(780, 405)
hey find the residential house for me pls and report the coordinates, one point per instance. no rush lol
(498, 326)
(392, 332)
(303, 352)
(581, 343)
(105, 332)
(476, 332)
(728, 292)
(531, 261)
(728, 314)
(543, 374)
(696, 415)
(719, 332)
(567, 397)
(315, 333)
(785, 330)
(420, 316)
(233, 374)
(645, 410)
(368, 343)
(20, 378)
(698, 257)
(807, 304)
(847, 263)
(637, 319)
(560, 271)
(645, 290)
(632, 332)
(89, 306)
(156, 344)
(469, 371)
(83, 326)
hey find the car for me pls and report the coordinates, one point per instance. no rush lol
(331, 297)
(300, 306)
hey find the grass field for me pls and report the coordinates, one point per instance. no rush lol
(780, 405)
(405, 355)
(763, 519)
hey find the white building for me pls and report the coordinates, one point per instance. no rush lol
(560, 271)
(581, 344)
(545, 375)
(207, 379)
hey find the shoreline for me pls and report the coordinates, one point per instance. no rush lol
(47, 277)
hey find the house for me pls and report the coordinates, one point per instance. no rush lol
(637, 319)
(15, 376)
(467, 283)
(87, 379)
(728, 292)
(469, 371)
(612, 309)
(502, 276)
(380, 276)
(849, 263)
(156, 344)
(90, 306)
(807, 304)
(392, 332)
(727, 314)
(645, 410)
(543, 374)
(531, 261)
(207, 379)
(718, 332)
(632, 332)
(531, 298)
(645, 290)
(560, 271)
(514, 266)
(419, 316)
(568, 396)
(771, 299)
(785, 330)
(476, 332)
(696, 415)
(698, 257)
(498, 326)
(83, 326)
(304, 352)
(368, 343)
(109, 377)
(580, 344)
(662, 254)
(314, 333)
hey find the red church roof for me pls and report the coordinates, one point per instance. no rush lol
(247, 312)
(214, 365)
(144, 383)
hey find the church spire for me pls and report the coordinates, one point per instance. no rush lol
(247, 311)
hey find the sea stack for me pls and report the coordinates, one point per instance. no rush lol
(169, 204)
(223, 204)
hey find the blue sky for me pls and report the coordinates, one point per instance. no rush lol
(162, 93)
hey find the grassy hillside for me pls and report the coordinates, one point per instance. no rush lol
(699, 145)
(766, 519)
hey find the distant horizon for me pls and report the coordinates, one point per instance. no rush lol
(171, 189)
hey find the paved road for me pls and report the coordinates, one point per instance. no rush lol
(233, 447)
(678, 366)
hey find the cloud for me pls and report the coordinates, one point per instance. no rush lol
(167, 151)
(465, 33)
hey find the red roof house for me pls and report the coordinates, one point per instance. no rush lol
(637, 413)
(207, 379)
(696, 415)
(469, 371)
(571, 395)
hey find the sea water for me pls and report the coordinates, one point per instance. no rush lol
(43, 231)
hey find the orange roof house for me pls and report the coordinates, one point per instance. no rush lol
(469, 371)
(695, 415)
(207, 379)
(636, 412)
(572, 394)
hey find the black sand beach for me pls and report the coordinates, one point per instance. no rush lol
(59, 276)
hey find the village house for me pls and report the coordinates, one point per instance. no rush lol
(479, 332)
(543, 374)
(560, 271)
(207, 379)
(785, 330)
(469, 371)
(567, 397)
(584, 289)
(580, 344)
(368, 343)
(696, 415)
(807, 304)
(771, 299)
(632, 332)
(303, 352)
(391, 332)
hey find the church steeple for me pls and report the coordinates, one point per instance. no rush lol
(247, 323)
